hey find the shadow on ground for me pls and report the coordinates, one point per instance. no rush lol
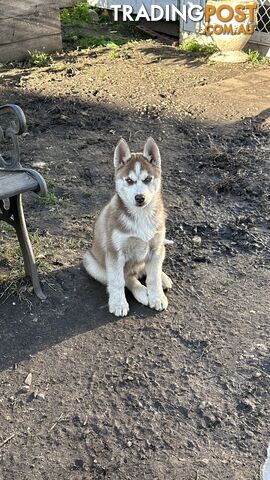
(75, 140)
(167, 54)
(75, 304)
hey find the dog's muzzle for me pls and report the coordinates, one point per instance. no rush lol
(140, 199)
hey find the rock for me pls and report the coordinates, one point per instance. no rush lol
(93, 15)
(28, 380)
(24, 389)
(197, 241)
(204, 461)
(129, 443)
(39, 164)
(100, 471)
(247, 405)
(78, 464)
(39, 395)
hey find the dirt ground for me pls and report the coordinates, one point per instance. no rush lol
(177, 395)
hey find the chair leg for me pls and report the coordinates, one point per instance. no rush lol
(16, 209)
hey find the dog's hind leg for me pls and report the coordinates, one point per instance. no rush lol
(138, 290)
(94, 269)
(166, 281)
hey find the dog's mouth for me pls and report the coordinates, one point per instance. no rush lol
(140, 204)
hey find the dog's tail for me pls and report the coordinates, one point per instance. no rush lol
(94, 269)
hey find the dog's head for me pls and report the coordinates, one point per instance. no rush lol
(137, 175)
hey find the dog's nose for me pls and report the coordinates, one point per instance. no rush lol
(139, 199)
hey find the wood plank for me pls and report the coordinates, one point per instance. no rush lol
(43, 22)
(37, 31)
(14, 183)
(19, 51)
(68, 3)
(261, 38)
(15, 8)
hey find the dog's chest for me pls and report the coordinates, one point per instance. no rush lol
(135, 249)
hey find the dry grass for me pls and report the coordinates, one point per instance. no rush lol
(51, 253)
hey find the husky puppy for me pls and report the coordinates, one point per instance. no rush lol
(129, 235)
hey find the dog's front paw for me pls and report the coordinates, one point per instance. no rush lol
(141, 295)
(119, 308)
(158, 300)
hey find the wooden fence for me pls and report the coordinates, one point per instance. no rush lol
(28, 25)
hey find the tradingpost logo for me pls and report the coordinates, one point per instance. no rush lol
(218, 18)
(229, 19)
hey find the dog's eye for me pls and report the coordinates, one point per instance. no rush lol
(147, 179)
(129, 181)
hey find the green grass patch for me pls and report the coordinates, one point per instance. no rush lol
(192, 45)
(80, 13)
(256, 58)
(104, 16)
(50, 199)
(38, 59)
(115, 53)
(70, 38)
(81, 41)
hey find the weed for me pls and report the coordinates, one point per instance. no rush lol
(38, 59)
(70, 38)
(18, 288)
(5, 228)
(50, 199)
(50, 251)
(112, 46)
(114, 53)
(256, 58)
(76, 15)
(50, 184)
(95, 41)
(192, 45)
(104, 16)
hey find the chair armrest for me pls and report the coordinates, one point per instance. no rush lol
(15, 126)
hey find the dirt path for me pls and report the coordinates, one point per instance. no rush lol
(180, 395)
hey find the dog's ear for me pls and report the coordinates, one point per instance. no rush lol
(151, 152)
(121, 153)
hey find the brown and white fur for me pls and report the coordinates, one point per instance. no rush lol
(129, 234)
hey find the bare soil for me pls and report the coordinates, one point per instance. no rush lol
(177, 395)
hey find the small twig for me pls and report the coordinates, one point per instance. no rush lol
(55, 423)
(7, 440)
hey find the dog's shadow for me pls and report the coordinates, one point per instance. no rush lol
(75, 304)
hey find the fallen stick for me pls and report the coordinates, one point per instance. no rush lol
(55, 423)
(7, 440)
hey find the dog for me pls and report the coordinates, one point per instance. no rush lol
(129, 235)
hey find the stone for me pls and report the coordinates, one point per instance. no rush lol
(28, 380)
(197, 241)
